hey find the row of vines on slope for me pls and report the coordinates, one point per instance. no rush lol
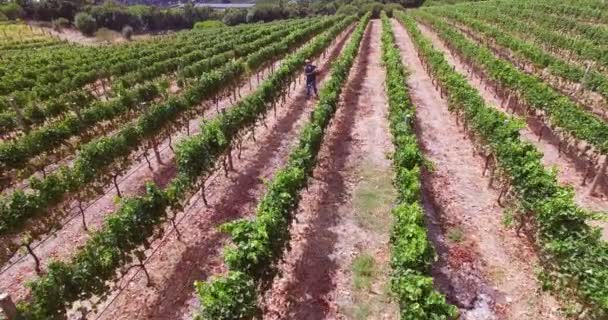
(64, 83)
(589, 79)
(259, 243)
(48, 144)
(527, 12)
(62, 69)
(163, 62)
(577, 128)
(101, 161)
(139, 218)
(411, 253)
(558, 43)
(573, 257)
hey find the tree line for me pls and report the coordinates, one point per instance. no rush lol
(90, 15)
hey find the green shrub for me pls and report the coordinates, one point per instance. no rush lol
(127, 32)
(347, 9)
(85, 23)
(12, 11)
(389, 8)
(60, 23)
(234, 16)
(374, 7)
(106, 35)
(209, 24)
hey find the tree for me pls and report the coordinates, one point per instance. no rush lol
(12, 10)
(347, 9)
(391, 7)
(406, 3)
(234, 16)
(85, 23)
(375, 8)
(209, 24)
(60, 23)
(265, 12)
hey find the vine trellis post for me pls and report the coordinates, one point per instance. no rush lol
(600, 174)
(8, 306)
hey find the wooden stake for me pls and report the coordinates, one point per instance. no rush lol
(148, 161)
(8, 306)
(116, 185)
(84, 220)
(157, 153)
(231, 166)
(584, 79)
(485, 168)
(143, 267)
(203, 194)
(36, 260)
(225, 166)
(600, 174)
(179, 235)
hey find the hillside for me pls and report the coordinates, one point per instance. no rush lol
(447, 162)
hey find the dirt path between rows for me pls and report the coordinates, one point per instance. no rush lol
(61, 245)
(570, 172)
(338, 264)
(176, 264)
(485, 269)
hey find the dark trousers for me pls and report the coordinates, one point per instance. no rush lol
(311, 85)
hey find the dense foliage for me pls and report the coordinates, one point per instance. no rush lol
(411, 252)
(114, 15)
(568, 118)
(501, 33)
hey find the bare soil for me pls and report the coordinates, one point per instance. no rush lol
(344, 217)
(175, 263)
(75, 36)
(570, 171)
(484, 267)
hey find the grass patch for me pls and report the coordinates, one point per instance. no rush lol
(361, 311)
(373, 198)
(107, 35)
(364, 269)
(508, 218)
(455, 234)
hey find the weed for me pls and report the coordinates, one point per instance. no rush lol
(508, 218)
(363, 271)
(373, 198)
(455, 234)
(361, 311)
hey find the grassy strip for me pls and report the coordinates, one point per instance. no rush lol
(572, 255)
(116, 244)
(259, 243)
(411, 253)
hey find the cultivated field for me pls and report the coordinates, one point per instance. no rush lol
(453, 166)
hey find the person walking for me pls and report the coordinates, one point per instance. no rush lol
(311, 78)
